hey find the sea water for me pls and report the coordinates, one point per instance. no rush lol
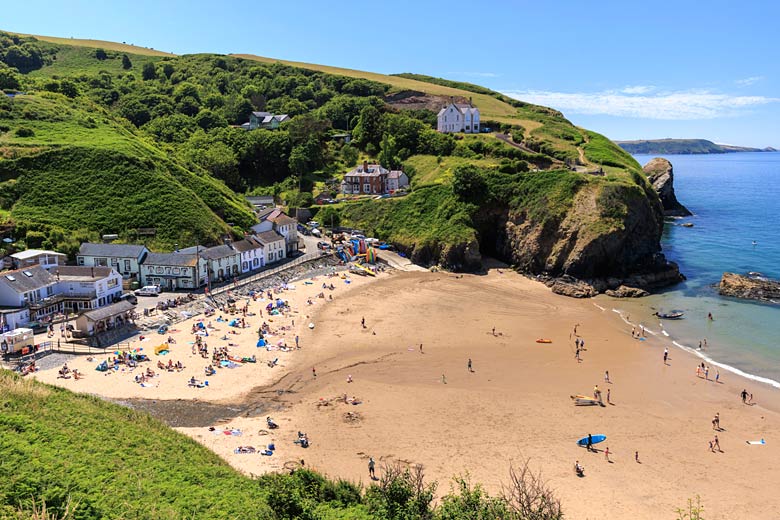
(735, 199)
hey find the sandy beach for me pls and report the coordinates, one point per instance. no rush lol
(514, 405)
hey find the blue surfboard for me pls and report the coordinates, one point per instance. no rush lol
(595, 439)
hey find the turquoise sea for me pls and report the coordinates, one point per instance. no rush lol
(735, 199)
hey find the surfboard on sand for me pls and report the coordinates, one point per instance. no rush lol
(761, 442)
(595, 439)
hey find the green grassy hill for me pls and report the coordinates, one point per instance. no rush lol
(80, 457)
(682, 146)
(161, 132)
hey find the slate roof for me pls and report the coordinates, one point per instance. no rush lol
(171, 259)
(32, 253)
(114, 309)
(111, 250)
(221, 251)
(26, 280)
(268, 237)
(283, 219)
(248, 244)
(81, 273)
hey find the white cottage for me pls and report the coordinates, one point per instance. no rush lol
(458, 117)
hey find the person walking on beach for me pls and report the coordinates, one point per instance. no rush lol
(636, 456)
(296, 342)
(443, 379)
(609, 401)
(494, 331)
(606, 377)
(371, 465)
(716, 422)
(470, 369)
(313, 372)
(666, 355)
(744, 395)
(363, 322)
(717, 376)
(716, 443)
(707, 373)
(590, 442)
(606, 454)
(421, 348)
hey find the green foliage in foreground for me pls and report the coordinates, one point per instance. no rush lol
(83, 458)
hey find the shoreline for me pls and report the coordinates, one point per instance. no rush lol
(514, 406)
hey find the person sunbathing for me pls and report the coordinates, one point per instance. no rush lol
(578, 469)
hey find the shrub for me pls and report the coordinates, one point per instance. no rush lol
(24, 131)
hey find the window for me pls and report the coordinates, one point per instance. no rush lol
(366, 188)
(176, 270)
(167, 270)
(127, 265)
(159, 270)
(28, 274)
(81, 260)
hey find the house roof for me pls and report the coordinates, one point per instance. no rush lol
(373, 170)
(261, 114)
(26, 280)
(112, 250)
(32, 253)
(191, 250)
(395, 174)
(269, 214)
(268, 237)
(248, 244)
(174, 259)
(283, 219)
(81, 273)
(462, 108)
(108, 311)
(220, 251)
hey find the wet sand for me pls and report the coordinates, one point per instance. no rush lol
(516, 403)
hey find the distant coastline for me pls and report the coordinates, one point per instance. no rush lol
(683, 146)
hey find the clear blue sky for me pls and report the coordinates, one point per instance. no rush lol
(627, 69)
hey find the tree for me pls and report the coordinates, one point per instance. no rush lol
(368, 129)
(100, 54)
(126, 63)
(468, 183)
(8, 80)
(388, 155)
(69, 88)
(188, 106)
(349, 155)
(168, 70)
(149, 72)
(206, 119)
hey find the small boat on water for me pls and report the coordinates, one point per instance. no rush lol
(673, 315)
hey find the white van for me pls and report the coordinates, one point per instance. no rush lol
(149, 290)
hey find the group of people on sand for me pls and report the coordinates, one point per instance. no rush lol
(171, 366)
(65, 373)
(703, 370)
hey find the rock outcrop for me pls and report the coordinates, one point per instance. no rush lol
(749, 287)
(661, 175)
(586, 253)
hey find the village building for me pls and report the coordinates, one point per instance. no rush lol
(82, 288)
(173, 271)
(274, 245)
(105, 320)
(31, 257)
(126, 259)
(274, 219)
(252, 253)
(265, 121)
(373, 179)
(26, 296)
(458, 117)
(223, 261)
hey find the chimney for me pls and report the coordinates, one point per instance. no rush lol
(365, 166)
(470, 103)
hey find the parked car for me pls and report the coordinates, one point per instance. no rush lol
(149, 290)
(313, 223)
(130, 297)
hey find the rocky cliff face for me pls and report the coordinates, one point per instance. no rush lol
(586, 253)
(749, 287)
(661, 175)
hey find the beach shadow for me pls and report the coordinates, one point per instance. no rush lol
(611, 404)
(611, 461)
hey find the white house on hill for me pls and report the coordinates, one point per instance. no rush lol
(458, 117)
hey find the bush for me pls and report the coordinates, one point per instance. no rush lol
(24, 131)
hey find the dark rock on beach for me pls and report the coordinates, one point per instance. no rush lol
(749, 287)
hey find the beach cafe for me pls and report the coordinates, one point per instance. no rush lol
(105, 318)
(20, 341)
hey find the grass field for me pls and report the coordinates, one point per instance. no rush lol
(490, 107)
(432, 171)
(100, 44)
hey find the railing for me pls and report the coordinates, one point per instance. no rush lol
(308, 257)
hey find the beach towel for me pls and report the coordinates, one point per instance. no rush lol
(147, 385)
(760, 443)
